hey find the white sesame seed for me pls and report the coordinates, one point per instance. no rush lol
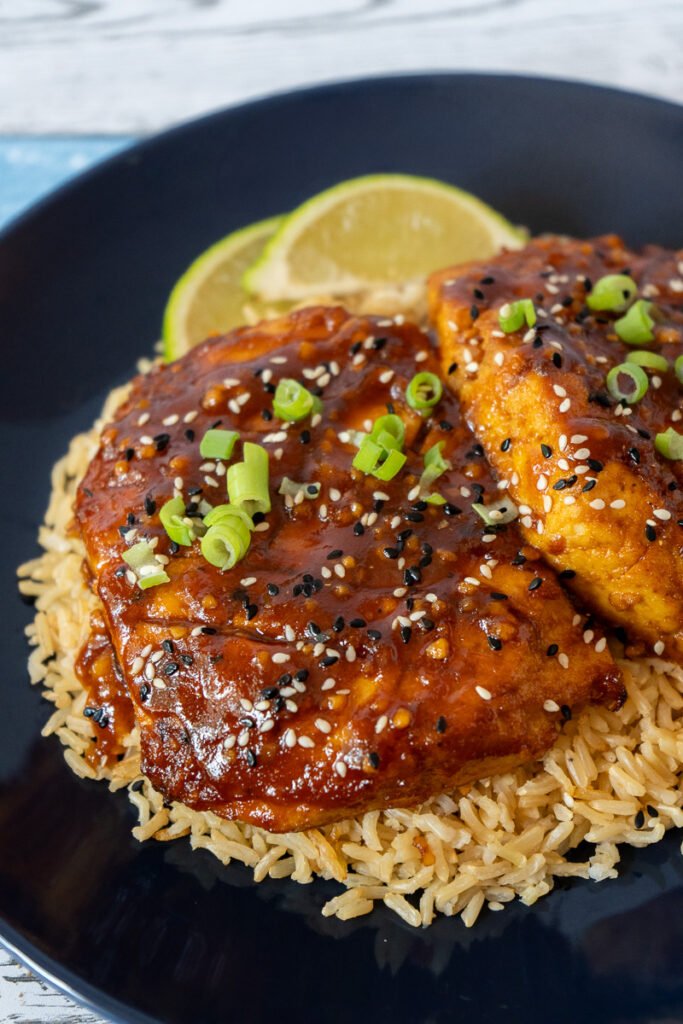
(472, 367)
(340, 769)
(322, 725)
(144, 418)
(278, 360)
(472, 581)
(290, 738)
(659, 647)
(381, 724)
(287, 691)
(385, 377)
(325, 572)
(576, 620)
(539, 527)
(195, 632)
(662, 513)
(248, 581)
(395, 522)
(137, 666)
(432, 598)
(483, 692)
(414, 492)
(246, 704)
(564, 405)
(656, 381)
(617, 503)
(380, 496)
(563, 660)
(551, 705)
(189, 417)
(588, 636)
(358, 359)
(600, 645)
(289, 633)
(580, 470)
(299, 686)
(421, 356)
(208, 467)
(146, 439)
(488, 538)
(562, 442)
(230, 742)
(547, 503)
(306, 741)
(350, 653)
(211, 481)
(318, 649)
(322, 511)
(261, 527)
(316, 418)
(261, 705)
(266, 725)
(280, 658)
(149, 672)
(676, 415)
(170, 421)
(335, 495)
(525, 510)
(499, 359)
(526, 522)
(324, 380)
(559, 391)
(597, 503)
(220, 469)
(563, 465)
(581, 453)
(159, 683)
(485, 572)
(340, 571)
(542, 482)
(329, 684)
(233, 406)
(578, 438)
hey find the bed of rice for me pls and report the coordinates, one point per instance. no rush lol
(484, 845)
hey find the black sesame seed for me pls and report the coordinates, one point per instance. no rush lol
(639, 819)
(650, 532)
(173, 548)
(415, 517)
(634, 455)
(498, 596)
(89, 712)
(410, 603)
(559, 485)
(305, 436)
(267, 415)
(419, 506)
(144, 692)
(251, 758)
(336, 553)
(302, 675)
(209, 630)
(425, 624)
(194, 491)
(445, 425)
(273, 589)
(329, 661)
(537, 342)
(600, 398)
(161, 441)
(186, 659)
(566, 712)
(451, 510)
(251, 611)
(557, 359)
(406, 633)
(269, 692)
(373, 758)
(567, 574)
(536, 583)
(129, 453)
(478, 293)
(356, 347)
(390, 408)
(452, 368)
(652, 811)
(377, 505)
(519, 559)
(338, 624)
(103, 721)
(269, 389)
(278, 703)
(285, 679)
(595, 465)
(308, 589)
(425, 561)
(546, 450)
(379, 343)
(645, 434)
(247, 722)
(552, 650)
(505, 446)
(588, 486)
(167, 646)
(441, 724)
(358, 528)
(189, 434)
(313, 629)
(412, 575)
(474, 311)
(171, 668)
(494, 643)
(374, 634)
(358, 623)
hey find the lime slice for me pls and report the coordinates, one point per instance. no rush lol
(373, 231)
(209, 297)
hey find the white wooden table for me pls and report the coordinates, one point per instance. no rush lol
(134, 66)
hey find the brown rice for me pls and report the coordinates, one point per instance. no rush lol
(505, 837)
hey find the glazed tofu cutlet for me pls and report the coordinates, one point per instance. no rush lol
(379, 641)
(575, 398)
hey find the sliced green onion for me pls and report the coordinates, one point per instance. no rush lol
(292, 488)
(424, 391)
(218, 444)
(368, 456)
(248, 480)
(635, 327)
(143, 561)
(229, 513)
(172, 516)
(670, 444)
(224, 544)
(652, 360)
(498, 512)
(434, 499)
(678, 368)
(435, 466)
(627, 382)
(513, 315)
(292, 402)
(392, 465)
(614, 292)
(388, 427)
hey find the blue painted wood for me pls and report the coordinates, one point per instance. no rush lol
(30, 167)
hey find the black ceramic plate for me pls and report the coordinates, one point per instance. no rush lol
(157, 933)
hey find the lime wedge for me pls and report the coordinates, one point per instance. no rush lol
(373, 231)
(209, 297)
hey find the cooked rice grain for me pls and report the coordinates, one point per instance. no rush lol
(504, 837)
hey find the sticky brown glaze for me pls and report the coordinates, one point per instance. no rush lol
(369, 650)
(108, 704)
(597, 499)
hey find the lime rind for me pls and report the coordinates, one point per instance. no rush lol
(174, 334)
(269, 276)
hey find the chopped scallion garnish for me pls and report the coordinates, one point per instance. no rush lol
(613, 292)
(627, 382)
(652, 360)
(678, 368)
(498, 512)
(392, 465)
(435, 466)
(292, 488)
(292, 402)
(670, 444)
(635, 327)
(218, 444)
(144, 563)
(424, 391)
(513, 315)
(228, 537)
(368, 456)
(248, 480)
(388, 431)
(173, 520)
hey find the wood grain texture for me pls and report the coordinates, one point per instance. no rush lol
(131, 66)
(135, 65)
